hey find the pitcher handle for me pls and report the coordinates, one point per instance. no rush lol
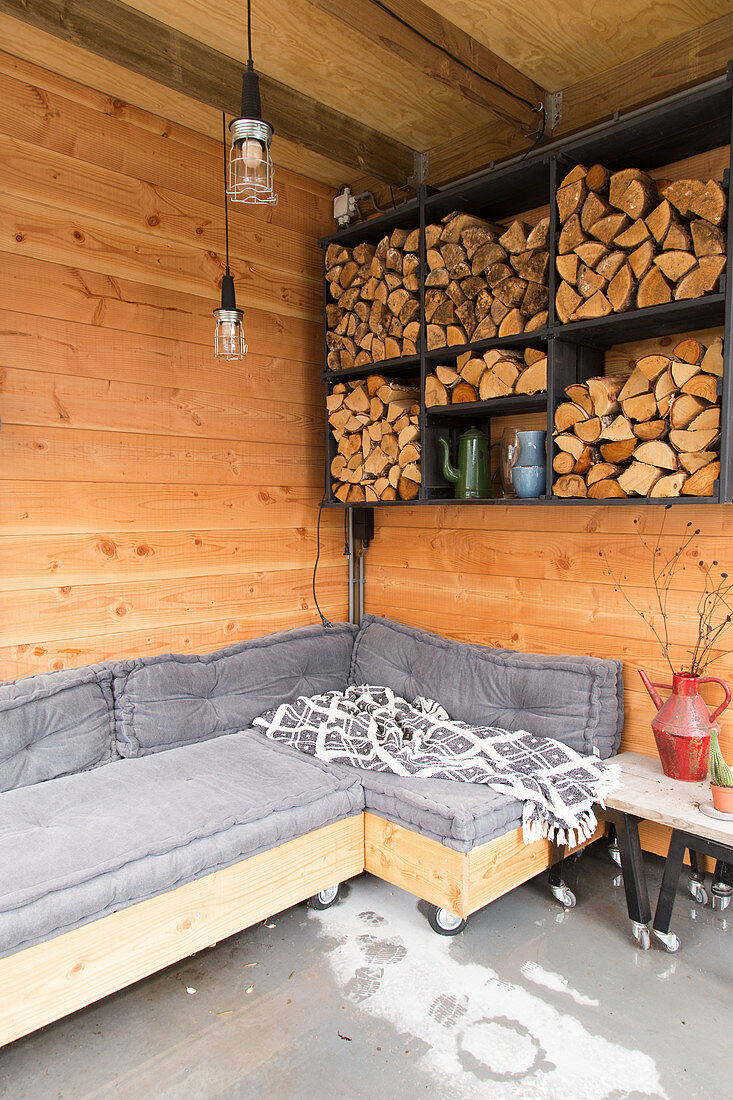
(726, 689)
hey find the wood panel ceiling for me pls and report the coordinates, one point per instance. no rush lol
(377, 80)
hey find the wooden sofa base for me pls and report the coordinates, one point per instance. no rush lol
(462, 882)
(44, 983)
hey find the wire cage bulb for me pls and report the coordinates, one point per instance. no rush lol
(251, 175)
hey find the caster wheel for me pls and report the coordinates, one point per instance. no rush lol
(668, 940)
(564, 896)
(642, 935)
(721, 896)
(444, 922)
(325, 898)
(698, 892)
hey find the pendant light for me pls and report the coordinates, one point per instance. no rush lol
(250, 164)
(229, 340)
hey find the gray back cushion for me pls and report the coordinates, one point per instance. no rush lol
(165, 701)
(576, 700)
(54, 724)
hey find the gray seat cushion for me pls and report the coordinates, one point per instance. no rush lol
(169, 700)
(53, 724)
(78, 848)
(576, 700)
(459, 815)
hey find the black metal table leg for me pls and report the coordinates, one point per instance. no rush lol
(696, 879)
(668, 891)
(632, 867)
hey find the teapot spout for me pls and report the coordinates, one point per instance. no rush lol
(449, 472)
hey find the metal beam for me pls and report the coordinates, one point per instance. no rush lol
(153, 49)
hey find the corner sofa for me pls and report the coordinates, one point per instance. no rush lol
(142, 819)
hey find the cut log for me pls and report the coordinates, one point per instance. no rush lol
(436, 337)
(589, 281)
(435, 392)
(597, 178)
(569, 442)
(640, 408)
(703, 278)
(601, 470)
(570, 199)
(538, 236)
(462, 393)
(678, 238)
(611, 264)
(631, 238)
(534, 324)
(639, 198)
(659, 221)
(472, 370)
(621, 289)
(712, 360)
(563, 463)
(707, 239)
(621, 181)
(653, 290)
(578, 393)
(567, 414)
(515, 238)
(590, 430)
(486, 329)
(604, 393)
(682, 371)
(653, 365)
(686, 440)
(702, 482)
(656, 453)
(698, 198)
(608, 228)
(571, 235)
(407, 489)
(684, 409)
(618, 429)
(702, 385)
(594, 208)
(596, 306)
(607, 489)
(707, 418)
(638, 478)
(533, 378)
(636, 383)
(692, 461)
(447, 375)
(642, 259)
(651, 429)
(618, 450)
(668, 486)
(458, 223)
(675, 264)
(571, 485)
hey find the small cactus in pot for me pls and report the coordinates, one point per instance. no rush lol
(721, 776)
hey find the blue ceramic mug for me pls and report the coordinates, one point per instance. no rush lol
(529, 481)
(531, 448)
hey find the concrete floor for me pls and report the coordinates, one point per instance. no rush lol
(364, 1000)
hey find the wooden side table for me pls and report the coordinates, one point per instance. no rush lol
(646, 793)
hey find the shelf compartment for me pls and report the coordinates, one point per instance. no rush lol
(640, 324)
(511, 405)
(536, 339)
(387, 367)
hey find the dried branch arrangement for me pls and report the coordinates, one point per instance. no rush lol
(655, 433)
(628, 241)
(714, 613)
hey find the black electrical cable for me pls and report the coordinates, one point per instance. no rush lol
(226, 204)
(249, 30)
(326, 623)
(538, 138)
(391, 194)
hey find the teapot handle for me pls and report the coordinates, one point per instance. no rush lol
(726, 689)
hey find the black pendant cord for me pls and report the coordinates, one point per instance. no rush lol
(226, 204)
(250, 63)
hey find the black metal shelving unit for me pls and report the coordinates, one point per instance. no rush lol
(679, 127)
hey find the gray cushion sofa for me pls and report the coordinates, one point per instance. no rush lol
(142, 819)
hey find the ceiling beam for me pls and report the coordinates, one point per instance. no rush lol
(129, 38)
(681, 63)
(446, 54)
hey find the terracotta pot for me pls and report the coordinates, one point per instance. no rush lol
(722, 799)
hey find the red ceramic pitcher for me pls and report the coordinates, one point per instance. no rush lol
(682, 725)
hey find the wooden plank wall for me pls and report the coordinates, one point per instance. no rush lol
(153, 498)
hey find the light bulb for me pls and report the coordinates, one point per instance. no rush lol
(229, 339)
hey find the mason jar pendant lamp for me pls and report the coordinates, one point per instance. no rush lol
(250, 163)
(229, 342)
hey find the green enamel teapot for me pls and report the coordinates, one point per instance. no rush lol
(472, 479)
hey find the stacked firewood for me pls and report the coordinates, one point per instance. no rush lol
(376, 425)
(375, 314)
(480, 378)
(628, 241)
(484, 280)
(654, 433)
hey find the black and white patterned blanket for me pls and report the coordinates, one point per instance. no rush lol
(371, 727)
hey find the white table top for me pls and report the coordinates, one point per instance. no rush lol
(647, 792)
